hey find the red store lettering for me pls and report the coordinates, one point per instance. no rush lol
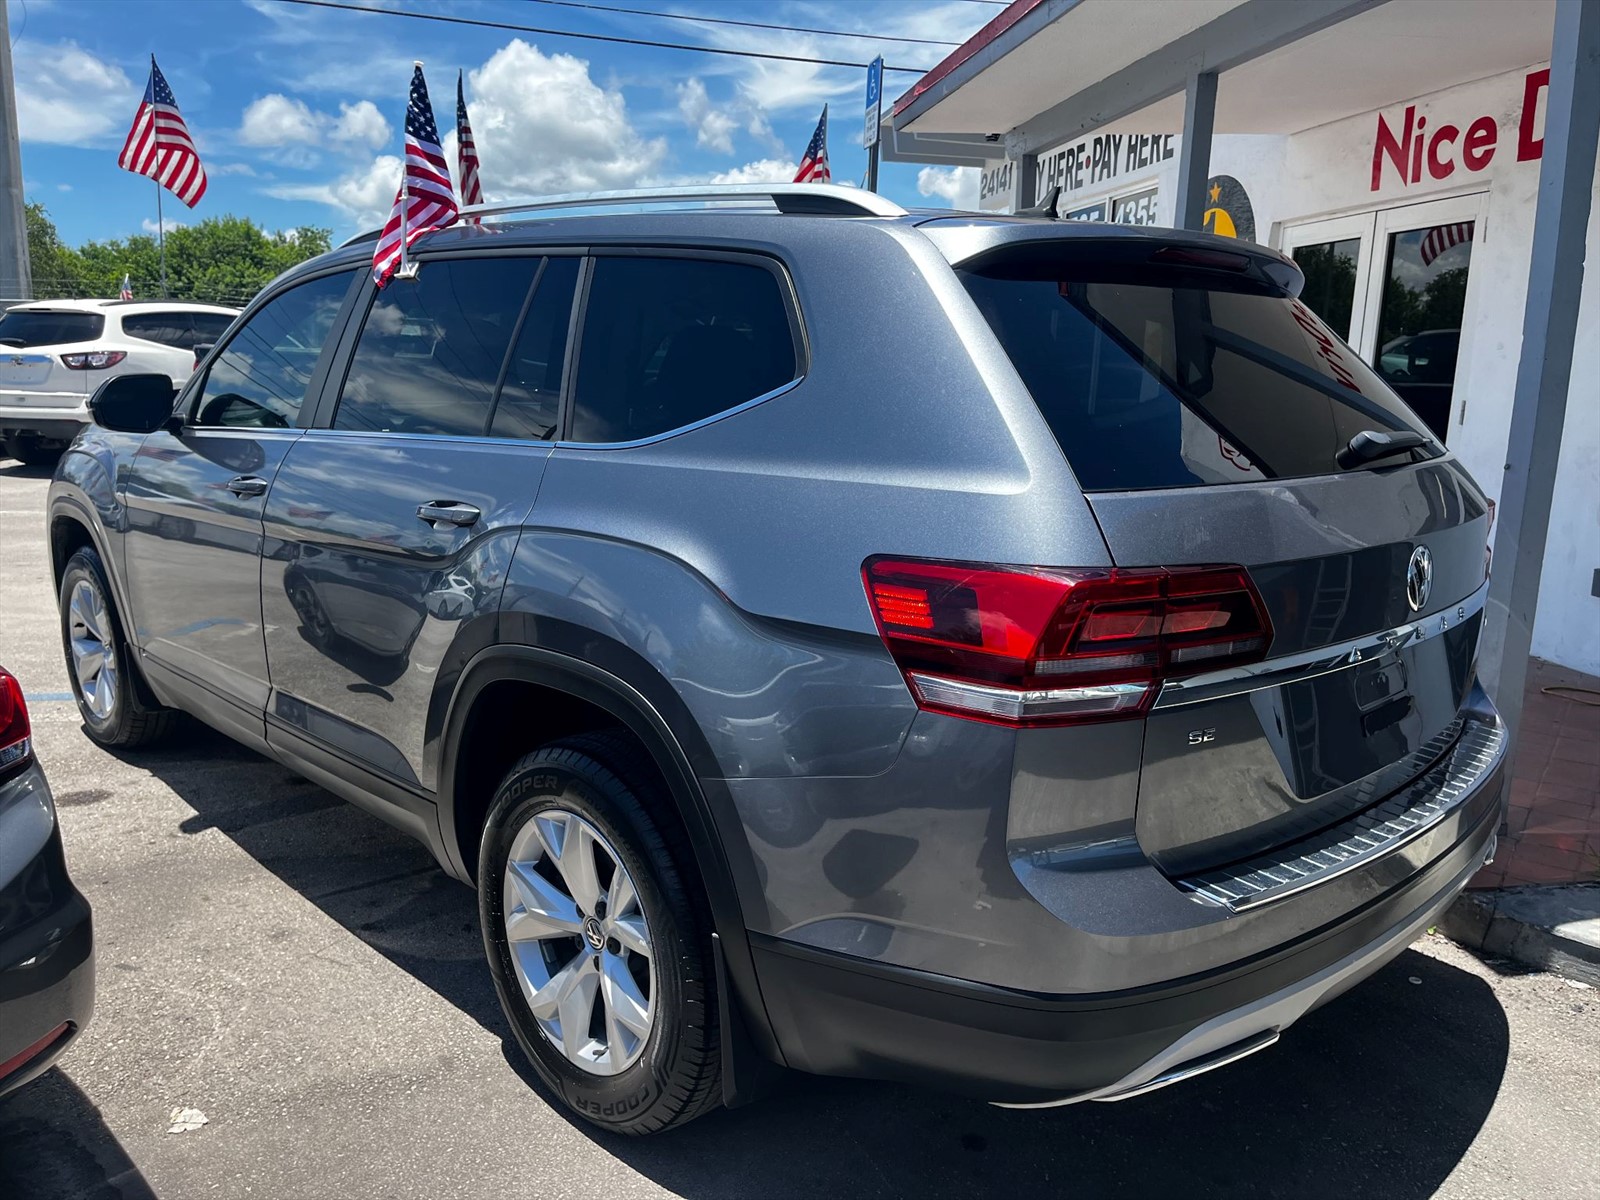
(1445, 148)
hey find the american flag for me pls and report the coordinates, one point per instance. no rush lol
(127, 288)
(1441, 237)
(466, 153)
(814, 166)
(425, 201)
(159, 145)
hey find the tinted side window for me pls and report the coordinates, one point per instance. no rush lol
(169, 329)
(261, 376)
(529, 405)
(430, 352)
(208, 328)
(669, 341)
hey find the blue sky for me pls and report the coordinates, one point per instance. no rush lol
(297, 110)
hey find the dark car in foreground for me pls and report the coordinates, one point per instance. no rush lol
(1028, 657)
(46, 945)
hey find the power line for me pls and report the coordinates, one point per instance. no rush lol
(669, 16)
(594, 37)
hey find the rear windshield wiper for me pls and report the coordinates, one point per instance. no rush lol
(1370, 445)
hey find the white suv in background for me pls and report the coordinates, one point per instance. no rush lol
(55, 353)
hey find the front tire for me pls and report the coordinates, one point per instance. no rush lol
(100, 662)
(600, 953)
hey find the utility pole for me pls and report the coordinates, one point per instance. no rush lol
(16, 276)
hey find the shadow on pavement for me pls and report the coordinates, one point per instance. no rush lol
(10, 468)
(1381, 1093)
(53, 1143)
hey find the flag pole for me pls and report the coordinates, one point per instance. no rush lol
(408, 269)
(161, 240)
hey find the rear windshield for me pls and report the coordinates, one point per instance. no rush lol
(1148, 386)
(49, 328)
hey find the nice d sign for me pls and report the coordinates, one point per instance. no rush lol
(1445, 148)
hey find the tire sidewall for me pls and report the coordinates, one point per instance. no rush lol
(86, 565)
(615, 1101)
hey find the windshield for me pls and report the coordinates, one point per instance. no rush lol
(24, 327)
(1147, 386)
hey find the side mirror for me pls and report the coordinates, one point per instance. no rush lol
(200, 351)
(133, 403)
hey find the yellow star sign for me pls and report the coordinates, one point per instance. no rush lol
(1216, 192)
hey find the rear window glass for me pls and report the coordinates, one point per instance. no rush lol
(1147, 386)
(22, 329)
(671, 341)
(168, 328)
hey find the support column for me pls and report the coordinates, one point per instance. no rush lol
(1194, 155)
(16, 277)
(1544, 372)
(1027, 182)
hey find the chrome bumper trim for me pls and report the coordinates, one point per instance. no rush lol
(1324, 660)
(1369, 835)
(1234, 1035)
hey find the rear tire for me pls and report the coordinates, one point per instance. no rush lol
(100, 663)
(28, 450)
(595, 792)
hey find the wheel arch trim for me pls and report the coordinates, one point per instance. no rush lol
(595, 685)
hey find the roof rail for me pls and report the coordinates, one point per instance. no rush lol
(815, 199)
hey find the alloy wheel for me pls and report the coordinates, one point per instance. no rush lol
(580, 941)
(94, 653)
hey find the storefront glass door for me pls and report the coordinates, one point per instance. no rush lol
(1394, 283)
(1333, 255)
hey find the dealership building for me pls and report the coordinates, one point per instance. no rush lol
(1395, 150)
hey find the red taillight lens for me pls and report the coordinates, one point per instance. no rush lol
(1041, 646)
(93, 360)
(15, 733)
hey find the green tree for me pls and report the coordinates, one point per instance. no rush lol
(56, 268)
(224, 259)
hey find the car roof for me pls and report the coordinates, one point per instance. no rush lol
(122, 306)
(581, 228)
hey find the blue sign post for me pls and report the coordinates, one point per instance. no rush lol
(874, 119)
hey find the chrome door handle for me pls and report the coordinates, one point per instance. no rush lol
(247, 485)
(448, 512)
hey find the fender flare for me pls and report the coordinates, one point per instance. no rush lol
(744, 1011)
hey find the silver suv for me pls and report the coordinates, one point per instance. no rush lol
(1031, 658)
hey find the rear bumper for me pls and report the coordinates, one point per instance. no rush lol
(46, 938)
(836, 1014)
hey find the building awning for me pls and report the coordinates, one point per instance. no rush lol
(1045, 71)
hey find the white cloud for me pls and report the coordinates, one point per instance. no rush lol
(69, 97)
(361, 124)
(167, 223)
(957, 186)
(291, 132)
(366, 195)
(63, 187)
(276, 120)
(541, 124)
(766, 170)
(713, 126)
(233, 168)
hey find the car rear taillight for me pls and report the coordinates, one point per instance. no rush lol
(93, 360)
(1048, 646)
(16, 742)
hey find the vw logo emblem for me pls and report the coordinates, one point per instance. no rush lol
(1419, 578)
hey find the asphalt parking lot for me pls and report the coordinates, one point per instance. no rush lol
(312, 983)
